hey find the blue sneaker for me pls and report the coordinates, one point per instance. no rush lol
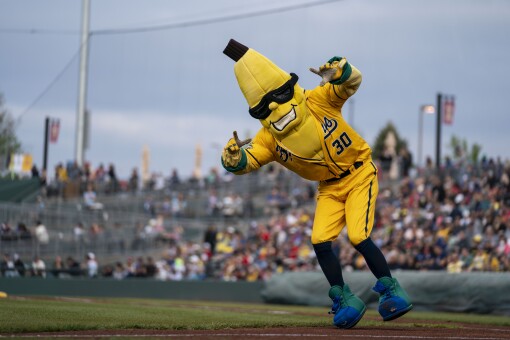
(347, 307)
(393, 300)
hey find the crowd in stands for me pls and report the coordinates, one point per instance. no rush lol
(74, 180)
(455, 221)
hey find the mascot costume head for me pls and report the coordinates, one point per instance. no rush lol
(273, 95)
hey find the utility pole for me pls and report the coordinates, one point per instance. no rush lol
(439, 117)
(45, 151)
(424, 110)
(82, 88)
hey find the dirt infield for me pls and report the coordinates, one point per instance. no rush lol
(457, 331)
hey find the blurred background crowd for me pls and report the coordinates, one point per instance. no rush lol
(88, 223)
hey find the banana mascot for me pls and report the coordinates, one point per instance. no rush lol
(304, 130)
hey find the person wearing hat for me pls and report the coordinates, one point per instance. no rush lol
(304, 130)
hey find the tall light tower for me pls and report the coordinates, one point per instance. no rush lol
(439, 117)
(82, 88)
(424, 109)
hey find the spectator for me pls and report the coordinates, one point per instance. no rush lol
(166, 206)
(73, 267)
(150, 268)
(195, 268)
(6, 231)
(59, 269)
(119, 272)
(91, 265)
(38, 267)
(79, 234)
(73, 171)
(385, 159)
(22, 231)
(455, 264)
(406, 161)
(87, 174)
(149, 206)
(214, 203)
(90, 199)
(134, 181)
(7, 267)
(35, 172)
(113, 183)
(19, 265)
(174, 180)
(60, 178)
(41, 233)
(210, 238)
(100, 174)
(140, 268)
(213, 179)
(229, 206)
(179, 204)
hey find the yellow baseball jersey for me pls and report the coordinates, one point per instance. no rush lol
(341, 146)
(327, 147)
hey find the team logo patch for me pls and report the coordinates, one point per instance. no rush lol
(329, 126)
(284, 154)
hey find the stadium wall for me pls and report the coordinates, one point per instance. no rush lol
(16, 191)
(482, 293)
(135, 288)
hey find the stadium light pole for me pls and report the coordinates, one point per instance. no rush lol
(46, 137)
(438, 130)
(424, 109)
(82, 88)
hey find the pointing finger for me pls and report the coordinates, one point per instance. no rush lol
(240, 142)
(315, 71)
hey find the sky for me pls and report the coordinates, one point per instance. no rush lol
(167, 86)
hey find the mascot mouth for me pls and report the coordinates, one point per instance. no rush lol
(285, 120)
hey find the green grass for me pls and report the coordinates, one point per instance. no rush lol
(45, 314)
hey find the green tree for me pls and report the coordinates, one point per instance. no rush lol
(460, 149)
(378, 148)
(9, 143)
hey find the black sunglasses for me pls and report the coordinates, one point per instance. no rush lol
(281, 95)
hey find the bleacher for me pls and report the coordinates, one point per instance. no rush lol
(124, 216)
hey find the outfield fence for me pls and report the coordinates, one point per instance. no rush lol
(480, 293)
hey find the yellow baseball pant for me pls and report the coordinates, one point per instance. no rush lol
(349, 201)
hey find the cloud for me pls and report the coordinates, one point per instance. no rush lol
(160, 128)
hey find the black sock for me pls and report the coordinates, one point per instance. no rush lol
(330, 263)
(374, 258)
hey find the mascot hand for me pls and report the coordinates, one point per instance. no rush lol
(333, 71)
(231, 154)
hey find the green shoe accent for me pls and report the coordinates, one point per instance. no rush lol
(393, 300)
(395, 288)
(347, 308)
(335, 291)
(348, 298)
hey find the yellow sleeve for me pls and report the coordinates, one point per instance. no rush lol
(256, 154)
(349, 87)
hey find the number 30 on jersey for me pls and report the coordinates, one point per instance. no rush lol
(341, 143)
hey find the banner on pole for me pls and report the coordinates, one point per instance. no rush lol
(54, 130)
(448, 109)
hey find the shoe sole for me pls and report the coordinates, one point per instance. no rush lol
(353, 323)
(398, 314)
